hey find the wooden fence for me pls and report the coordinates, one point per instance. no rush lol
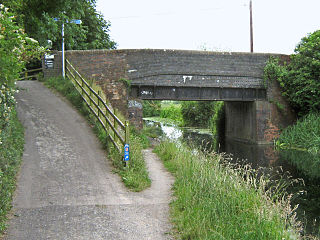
(26, 74)
(116, 130)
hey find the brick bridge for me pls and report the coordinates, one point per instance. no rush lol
(236, 78)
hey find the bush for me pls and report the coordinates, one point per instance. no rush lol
(11, 149)
(300, 79)
(173, 112)
(151, 108)
(16, 48)
(197, 114)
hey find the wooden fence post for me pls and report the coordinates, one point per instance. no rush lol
(127, 132)
(114, 123)
(98, 104)
(81, 86)
(90, 94)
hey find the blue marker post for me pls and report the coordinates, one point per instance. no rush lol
(126, 153)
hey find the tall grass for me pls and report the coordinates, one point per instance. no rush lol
(173, 112)
(135, 177)
(215, 201)
(11, 149)
(304, 135)
(300, 144)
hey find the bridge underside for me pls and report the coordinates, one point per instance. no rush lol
(197, 93)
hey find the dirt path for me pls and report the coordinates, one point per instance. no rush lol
(66, 189)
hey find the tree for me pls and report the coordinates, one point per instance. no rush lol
(37, 18)
(300, 78)
(197, 114)
(16, 48)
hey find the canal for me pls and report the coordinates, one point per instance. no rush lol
(302, 184)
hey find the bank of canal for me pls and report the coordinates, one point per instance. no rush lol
(305, 189)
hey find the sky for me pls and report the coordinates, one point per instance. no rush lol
(216, 25)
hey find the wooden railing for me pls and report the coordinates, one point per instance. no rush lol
(26, 74)
(116, 130)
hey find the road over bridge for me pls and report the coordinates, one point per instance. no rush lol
(236, 78)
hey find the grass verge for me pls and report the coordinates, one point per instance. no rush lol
(300, 144)
(304, 135)
(135, 177)
(11, 151)
(215, 201)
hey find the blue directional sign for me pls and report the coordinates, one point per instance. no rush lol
(76, 21)
(126, 152)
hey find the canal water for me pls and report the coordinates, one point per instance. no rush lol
(305, 188)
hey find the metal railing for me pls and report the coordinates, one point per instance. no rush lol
(116, 130)
(26, 74)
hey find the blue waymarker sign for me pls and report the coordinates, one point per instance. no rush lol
(76, 21)
(126, 152)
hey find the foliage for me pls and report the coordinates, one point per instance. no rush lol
(7, 103)
(126, 82)
(302, 144)
(136, 176)
(152, 131)
(151, 108)
(16, 48)
(304, 135)
(197, 114)
(300, 79)
(11, 149)
(172, 112)
(217, 201)
(217, 124)
(274, 71)
(37, 18)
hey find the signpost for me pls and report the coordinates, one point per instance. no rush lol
(75, 21)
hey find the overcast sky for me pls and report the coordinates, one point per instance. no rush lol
(219, 25)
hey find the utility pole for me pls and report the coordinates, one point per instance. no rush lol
(251, 28)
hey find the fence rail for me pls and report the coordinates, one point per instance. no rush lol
(26, 75)
(116, 130)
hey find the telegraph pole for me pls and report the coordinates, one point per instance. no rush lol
(251, 28)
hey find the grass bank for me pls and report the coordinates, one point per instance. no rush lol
(11, 149)
(215, 201)
(300, 144)
(135, 177)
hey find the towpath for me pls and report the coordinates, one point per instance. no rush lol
(66, 189)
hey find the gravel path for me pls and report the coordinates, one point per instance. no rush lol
(66, 189)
